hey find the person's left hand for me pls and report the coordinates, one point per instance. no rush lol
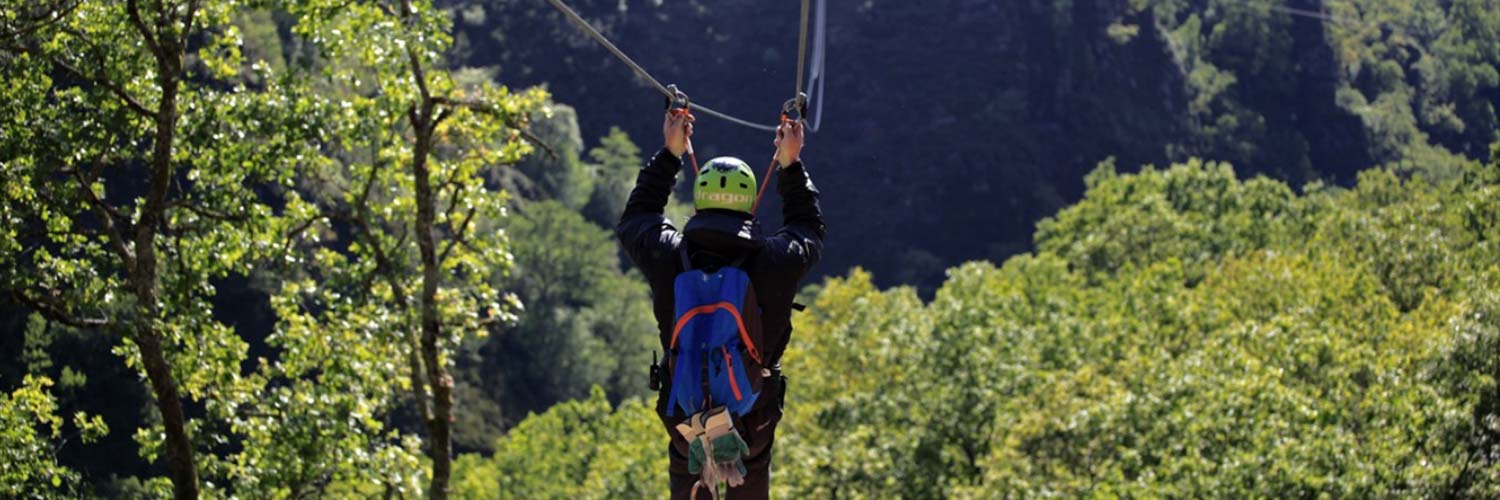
(789, 143)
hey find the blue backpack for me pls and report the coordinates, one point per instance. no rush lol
(715, 353)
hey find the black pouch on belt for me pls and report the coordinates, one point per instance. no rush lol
(655, 383)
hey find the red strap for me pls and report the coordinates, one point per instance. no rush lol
(691, 156)
(710, 308)
(770, 169)
(733, 385)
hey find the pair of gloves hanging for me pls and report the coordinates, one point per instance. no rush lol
(715, 450)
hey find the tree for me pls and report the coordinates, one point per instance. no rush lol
(129, 168)
(411, 152)
(615, 162)
(560, 175)
(586, 323)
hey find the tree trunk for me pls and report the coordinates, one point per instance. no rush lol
(143, 278)
(439, 425)
(179, 448)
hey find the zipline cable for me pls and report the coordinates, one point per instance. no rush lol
(673, 96)
(1313, 14)
(1348, 22)
(599, 37)
(815, 79)
(641, 72)
(709, 111)
(801, 48)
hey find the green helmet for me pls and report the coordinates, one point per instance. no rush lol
(725, 183)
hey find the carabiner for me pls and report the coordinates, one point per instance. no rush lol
(678, 103)
(794, 109)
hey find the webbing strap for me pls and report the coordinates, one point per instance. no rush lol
(770, 169)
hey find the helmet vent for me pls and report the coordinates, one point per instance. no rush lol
(743, 186)
(723, 181)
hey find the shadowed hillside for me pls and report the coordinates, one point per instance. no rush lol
(964, 122)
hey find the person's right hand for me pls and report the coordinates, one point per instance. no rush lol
(678, 130)
(789, 143)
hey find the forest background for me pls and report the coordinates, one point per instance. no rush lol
(309, 248)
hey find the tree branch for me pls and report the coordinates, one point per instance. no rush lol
(114, 88)
(107, 214)
(411, 55)
(206, 212)
(486, 108)
(52, 19)
(55, 312)
(297, 230)
(364, 194)
(457, 236)
(385, 268)
(451, 181)
(134, 12)
(536, 141)
(443, 114)
(187, 22)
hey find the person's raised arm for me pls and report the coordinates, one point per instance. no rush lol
(643, 231)
(800, 239)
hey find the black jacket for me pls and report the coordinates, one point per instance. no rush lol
(775, 264)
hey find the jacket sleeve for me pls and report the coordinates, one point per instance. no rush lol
(799, 243)
(647, 237)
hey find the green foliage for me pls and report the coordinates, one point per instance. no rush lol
(1419, 76)
(561, 174)
(586, 323)
(1178, 333)
(132, 164)
(404, 173)
(102, 105)
(1196, 212)
(30, 431)
(579, 449)
(615, 163)
(597, 186)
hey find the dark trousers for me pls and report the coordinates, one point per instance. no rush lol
(757, 428)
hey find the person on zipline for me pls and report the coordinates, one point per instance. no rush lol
(722, 241)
